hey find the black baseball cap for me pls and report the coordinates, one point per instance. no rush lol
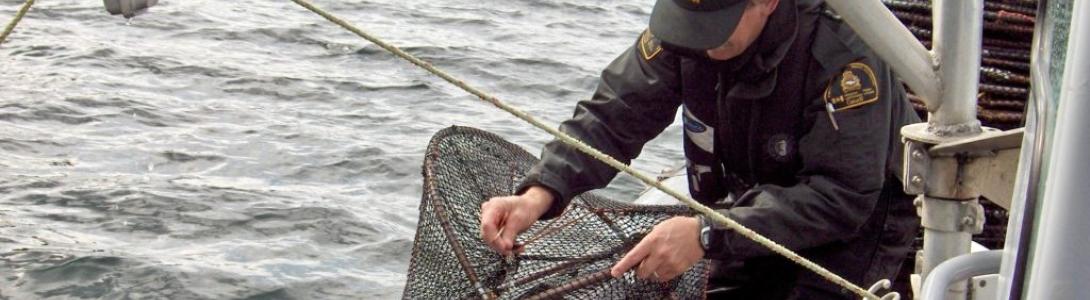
(696, 24)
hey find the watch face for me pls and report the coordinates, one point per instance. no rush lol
(705, 237)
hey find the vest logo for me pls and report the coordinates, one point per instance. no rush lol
(781, 147)
(696, 132)
(849, 83)
(649, 45)
(856, 86)
(691, 125)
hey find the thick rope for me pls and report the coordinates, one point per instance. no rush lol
(18, 17)
(712, 214)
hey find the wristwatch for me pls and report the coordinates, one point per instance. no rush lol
(709, 236)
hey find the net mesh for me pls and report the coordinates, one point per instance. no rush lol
(567, 257)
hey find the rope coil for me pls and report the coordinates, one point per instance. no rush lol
(563, 137)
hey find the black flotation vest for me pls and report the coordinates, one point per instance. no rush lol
(742, 125)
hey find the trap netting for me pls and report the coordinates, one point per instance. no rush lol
(566, 257)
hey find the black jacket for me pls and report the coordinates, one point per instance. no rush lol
(801, 130)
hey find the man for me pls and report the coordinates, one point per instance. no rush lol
(791, 127)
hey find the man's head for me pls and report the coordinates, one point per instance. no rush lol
(722, 28)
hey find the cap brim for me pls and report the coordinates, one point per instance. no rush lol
(694, 29)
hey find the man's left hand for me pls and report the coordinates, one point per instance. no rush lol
(671, 248)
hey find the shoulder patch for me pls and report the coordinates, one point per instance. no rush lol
(649, 45)
(854, 87)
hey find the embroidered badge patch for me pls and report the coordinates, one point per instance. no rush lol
(649, 45)
(854, 87)
(780, 147)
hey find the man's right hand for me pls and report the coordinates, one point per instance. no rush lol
(503, 218)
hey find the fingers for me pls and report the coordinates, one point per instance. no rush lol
(507, 238)
(634, 257)
(669, 271)
(502, 220)
(669, 250)
(491, 222)
(649, 260)
(649, 268)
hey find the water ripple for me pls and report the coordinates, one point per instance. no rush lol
(249, 149)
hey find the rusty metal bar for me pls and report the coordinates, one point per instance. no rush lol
(579, 283)
(451, 235)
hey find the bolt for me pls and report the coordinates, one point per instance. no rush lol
(916, 179)
(917, 154)
(968, 222)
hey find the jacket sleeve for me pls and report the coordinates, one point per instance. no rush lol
(842, 176)
(636, 99)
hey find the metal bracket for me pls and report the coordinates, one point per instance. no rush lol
(917, 164)
(961, 169)
(934, 175)
(950, 215)
(985, 287)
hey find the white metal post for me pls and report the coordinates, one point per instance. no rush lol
(1040, 112)
(1059, 266)
(956, 40)
(947, 78)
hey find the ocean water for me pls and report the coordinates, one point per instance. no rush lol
(252, 150)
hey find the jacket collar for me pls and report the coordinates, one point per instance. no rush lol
(756, 68)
